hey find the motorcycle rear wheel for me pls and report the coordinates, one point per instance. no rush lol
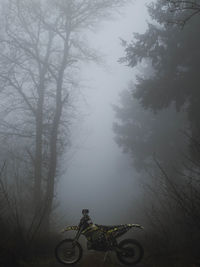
(68, 252)
(131, 252)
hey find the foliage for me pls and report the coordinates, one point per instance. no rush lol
(174, 11)
(144, 134)
(174, 55)
(154, 115)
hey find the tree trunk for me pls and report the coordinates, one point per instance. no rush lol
(43, 68)
(38, 150)
(53, 140)
(52, 168)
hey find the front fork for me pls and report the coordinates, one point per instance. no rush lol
(77, 235)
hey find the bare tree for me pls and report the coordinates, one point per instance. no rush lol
(42, 45)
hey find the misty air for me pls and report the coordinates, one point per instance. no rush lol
(99, 133)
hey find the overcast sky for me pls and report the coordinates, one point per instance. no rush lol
(98, 175)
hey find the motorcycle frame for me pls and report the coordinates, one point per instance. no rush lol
(112, 241)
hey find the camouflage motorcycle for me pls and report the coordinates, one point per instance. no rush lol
(100, 238)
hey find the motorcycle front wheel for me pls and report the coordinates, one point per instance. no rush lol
(68, 252)
(130, 252)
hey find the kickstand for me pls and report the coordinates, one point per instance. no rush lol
(106, 256)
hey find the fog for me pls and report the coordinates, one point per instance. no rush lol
(99, 175)
(99, 111)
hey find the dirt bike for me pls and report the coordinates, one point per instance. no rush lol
(100, 238)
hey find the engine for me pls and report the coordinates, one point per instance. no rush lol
(97, 241)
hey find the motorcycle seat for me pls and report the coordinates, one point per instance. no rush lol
(108, 227)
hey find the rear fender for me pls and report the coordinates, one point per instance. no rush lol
(121, 230)
(124, 228)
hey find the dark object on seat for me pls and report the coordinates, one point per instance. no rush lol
(85, 211)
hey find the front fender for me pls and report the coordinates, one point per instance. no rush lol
(70, 228)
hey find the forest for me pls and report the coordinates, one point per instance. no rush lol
(45, 45)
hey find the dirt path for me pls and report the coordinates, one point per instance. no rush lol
(94, 259)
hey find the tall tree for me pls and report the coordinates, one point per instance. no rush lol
(174, 55)
(146, 135)
(42, 45)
